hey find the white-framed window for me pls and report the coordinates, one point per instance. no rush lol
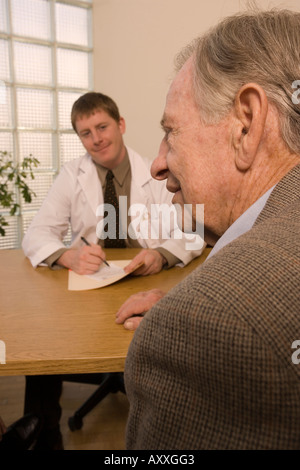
(46, 64)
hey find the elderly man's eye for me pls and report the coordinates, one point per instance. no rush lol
(168, 133)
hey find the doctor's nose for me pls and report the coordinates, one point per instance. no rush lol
(96, 137)
(159, 168)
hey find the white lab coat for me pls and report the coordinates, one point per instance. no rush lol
(74, 198)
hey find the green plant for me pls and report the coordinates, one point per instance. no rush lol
(13, 175)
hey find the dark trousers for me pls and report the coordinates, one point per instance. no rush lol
(43, 392)
(42, 396)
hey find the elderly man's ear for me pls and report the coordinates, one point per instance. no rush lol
(251, 109)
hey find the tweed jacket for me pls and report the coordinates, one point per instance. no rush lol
(210, 366)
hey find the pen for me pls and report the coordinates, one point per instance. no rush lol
(88, 244)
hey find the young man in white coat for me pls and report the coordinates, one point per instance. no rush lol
(77, 194)
(74, 199)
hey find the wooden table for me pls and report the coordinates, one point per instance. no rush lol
(48, 329)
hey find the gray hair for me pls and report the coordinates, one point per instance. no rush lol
(260, 47)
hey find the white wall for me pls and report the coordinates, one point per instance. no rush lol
(135, 42)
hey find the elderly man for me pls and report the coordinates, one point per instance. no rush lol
(210, 365)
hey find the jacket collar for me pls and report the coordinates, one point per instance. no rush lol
(285, 192)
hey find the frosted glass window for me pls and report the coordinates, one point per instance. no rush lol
(4, 62)
(65, 103)
(72, 68)
(3, 16)
(45, 65)
(71, 24)
(34, 108)
(38, 144)
(32, 63)
(70, 148)
(26, 220)
(6, 141)
(5, 107)
(31, 18)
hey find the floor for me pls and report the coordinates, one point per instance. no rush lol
(103, 428)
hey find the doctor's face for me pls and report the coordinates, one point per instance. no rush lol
(102, 137)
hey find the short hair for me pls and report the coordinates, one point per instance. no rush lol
(89, 103)
(256, 46)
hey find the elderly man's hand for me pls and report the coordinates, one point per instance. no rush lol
(131, 312)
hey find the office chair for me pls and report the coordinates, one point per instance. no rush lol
(112, 382)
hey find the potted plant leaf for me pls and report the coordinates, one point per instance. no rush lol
(14, 176)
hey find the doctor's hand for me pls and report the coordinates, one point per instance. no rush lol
(83, 260)
(152, 263)
(131, 312)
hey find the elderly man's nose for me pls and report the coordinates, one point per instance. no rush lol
(159, 168)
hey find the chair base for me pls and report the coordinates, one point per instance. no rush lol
(111, 383)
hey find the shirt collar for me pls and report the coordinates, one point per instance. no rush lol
(119, 173)
(244, 223)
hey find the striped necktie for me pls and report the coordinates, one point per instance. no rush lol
(110, 197)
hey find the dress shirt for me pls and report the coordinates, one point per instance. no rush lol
(244, 223)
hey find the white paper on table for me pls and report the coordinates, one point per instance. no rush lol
(106, 272)
(104, 277)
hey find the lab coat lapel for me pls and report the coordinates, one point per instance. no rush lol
(140, 177)
(90, 184)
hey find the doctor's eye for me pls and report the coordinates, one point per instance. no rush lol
(85, 134)
(102, 127)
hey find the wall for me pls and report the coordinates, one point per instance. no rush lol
(135, 42)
